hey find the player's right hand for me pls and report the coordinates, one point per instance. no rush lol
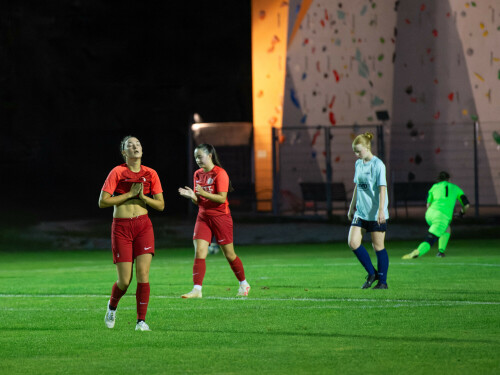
(136, 188)
(187, 192)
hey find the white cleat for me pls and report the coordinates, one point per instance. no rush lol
(195, 293)
(142, 326)
(109, 318)
(243, 290)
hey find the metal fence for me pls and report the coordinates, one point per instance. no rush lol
(468, 151)
(311, 165)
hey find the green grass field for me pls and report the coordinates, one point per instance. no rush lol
(306, 314)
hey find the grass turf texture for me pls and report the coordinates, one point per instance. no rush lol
(306, 313)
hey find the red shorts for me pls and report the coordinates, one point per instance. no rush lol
(131, 238)
(220, 226)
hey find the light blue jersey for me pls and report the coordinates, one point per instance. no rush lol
(368, 176)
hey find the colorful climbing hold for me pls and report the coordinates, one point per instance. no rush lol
(480, 77)
(496, 137)
(294, 99)
(331, 117)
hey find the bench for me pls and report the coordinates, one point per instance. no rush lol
(410, 192)
(314, 192)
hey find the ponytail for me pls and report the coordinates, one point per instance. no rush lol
(443, 176)
(210, 149)
(364, 139)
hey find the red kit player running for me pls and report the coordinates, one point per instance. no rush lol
(129, 189)
(211, 185)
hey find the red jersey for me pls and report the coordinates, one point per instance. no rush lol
(213, 182)
(120, 180)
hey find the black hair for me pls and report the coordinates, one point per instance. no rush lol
(443, 176)
(123, 143)
(210, 149)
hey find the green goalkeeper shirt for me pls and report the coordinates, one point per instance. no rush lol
(442, 197)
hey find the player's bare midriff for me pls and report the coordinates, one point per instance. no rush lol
(129, 209)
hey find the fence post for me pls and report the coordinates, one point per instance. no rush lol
(476, 176)
(276, 172)
(380, 143)
(328, 157)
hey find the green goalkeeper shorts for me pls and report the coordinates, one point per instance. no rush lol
(438, 222)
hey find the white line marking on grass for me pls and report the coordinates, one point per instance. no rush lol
(349, 300)
(448, 264)
(204, 307)
(444, 302)
(64, 269)
(357, 264)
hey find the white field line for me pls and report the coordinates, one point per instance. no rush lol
(397, 301)
(178, 308)
(357, 264)
(267, 265)
(449, 264)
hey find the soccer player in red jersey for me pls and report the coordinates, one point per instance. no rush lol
(211, 185)
(129, 189)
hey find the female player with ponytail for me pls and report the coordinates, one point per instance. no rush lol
(210, 187)
(129, 189)
(369, 211)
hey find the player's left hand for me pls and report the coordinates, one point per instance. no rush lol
(381, 217)
(141, 192)
(199, 190)
(136, 189)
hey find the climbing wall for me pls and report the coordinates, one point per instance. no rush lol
(434, 66)
(269, 34)
(446, 77)
(339, 72)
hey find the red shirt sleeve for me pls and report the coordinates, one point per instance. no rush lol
(155, 183)
(111, 182)
(222, 181)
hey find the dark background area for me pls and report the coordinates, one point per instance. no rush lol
(77, 76)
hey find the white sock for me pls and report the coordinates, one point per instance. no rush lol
(197, 287)
(244, 283)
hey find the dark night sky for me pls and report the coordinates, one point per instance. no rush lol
(76, 76)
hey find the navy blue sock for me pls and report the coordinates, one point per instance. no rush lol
(364, 259)
(382, 265)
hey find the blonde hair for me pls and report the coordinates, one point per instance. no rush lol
(364, 140)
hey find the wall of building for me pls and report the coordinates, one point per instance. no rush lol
(446, 77)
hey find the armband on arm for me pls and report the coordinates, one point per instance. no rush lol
(464, 200)
(465, 204)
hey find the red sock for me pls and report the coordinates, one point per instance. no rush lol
(199, 269)
(237, 268)
(142, 299)
(116, 294)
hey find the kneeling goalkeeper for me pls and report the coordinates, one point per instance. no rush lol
(440, 206)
